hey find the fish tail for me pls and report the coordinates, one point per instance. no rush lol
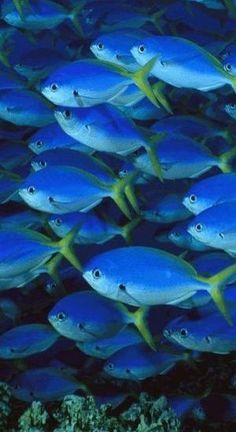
(66, 248)
(51, 269)
(125, 185)
(74, 18)
(140, 78)
(216, 288)
(127, 230)
(225, 160)
(4, 59)
(151, 150)
(19, 4)
(231, 7)
(157, 89)
(233, 82)
(140, 321)
(155, 19)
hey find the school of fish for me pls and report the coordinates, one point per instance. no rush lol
(117, 192)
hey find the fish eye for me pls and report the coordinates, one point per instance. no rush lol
(50, 199)
(198, 227)
(228, 67)
(100, 46)
(128, 371)
(184, 332)
(31, 190)
(67, 114)
(122, 287)
(221, 235)
(80, 326)
(141, 49)
(39, 144)
(54, 87)
(43, 164)
(97, 348)
(192, 198)
(96, 273)
(208, 339)
(75, 93)
(232, 106)
(58, 221)
(50, 287)
(110, 366)
(61, 316)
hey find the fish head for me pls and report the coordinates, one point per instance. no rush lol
(100, 49)
(194, 202)
(190, 334)
(230, 65)
(205, 230)
(98, 272)
(230, 109)
(71, 119)
(61, 318)
(58, 89)
(143, 51)
(35, 193)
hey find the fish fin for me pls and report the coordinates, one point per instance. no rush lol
(74, 17)
(140, 321)
(216, 288)
(140, 78)
(155, 19)
(66, 249)
(125, 185)
(151, 150)
(230, 7)
(157, 90)
(225, 160)
(4, 59)
(126, 230)
(51, 269)
(19, 5)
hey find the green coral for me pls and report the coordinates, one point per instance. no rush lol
(5, 408)
(34, 419)
(81, 414)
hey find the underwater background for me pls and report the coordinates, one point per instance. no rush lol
(117, 215)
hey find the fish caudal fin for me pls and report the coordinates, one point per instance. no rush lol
(225, 160)
(140, 78)
(157, 89)
(231, 7)
(125, 185)
(127, 230)
(151, 150)
(74, 18)
(140, 321)
(216, 288)
(66, 248)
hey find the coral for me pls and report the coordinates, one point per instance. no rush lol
(81, 414)
(150, 415)
(5, 408)
(34, 419)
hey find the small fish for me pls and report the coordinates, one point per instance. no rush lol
(51, 137)
(182, 63)
(166, 210)
(138, 362)
(24, 108)
(80, 191)
(107, 129)
(26, 340)
(85, 83)
(182, 157)
(230, 64)
(208, 334)
(181, 238)
(231, 110)
(23, 219)
(216, 227)
(39, 63)
(86, 316)
(37, 15)
(211, 191)
(92, 229)
(114, 47)
(104, 348)
(27, 252)
(121, 274)
(44, 384)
